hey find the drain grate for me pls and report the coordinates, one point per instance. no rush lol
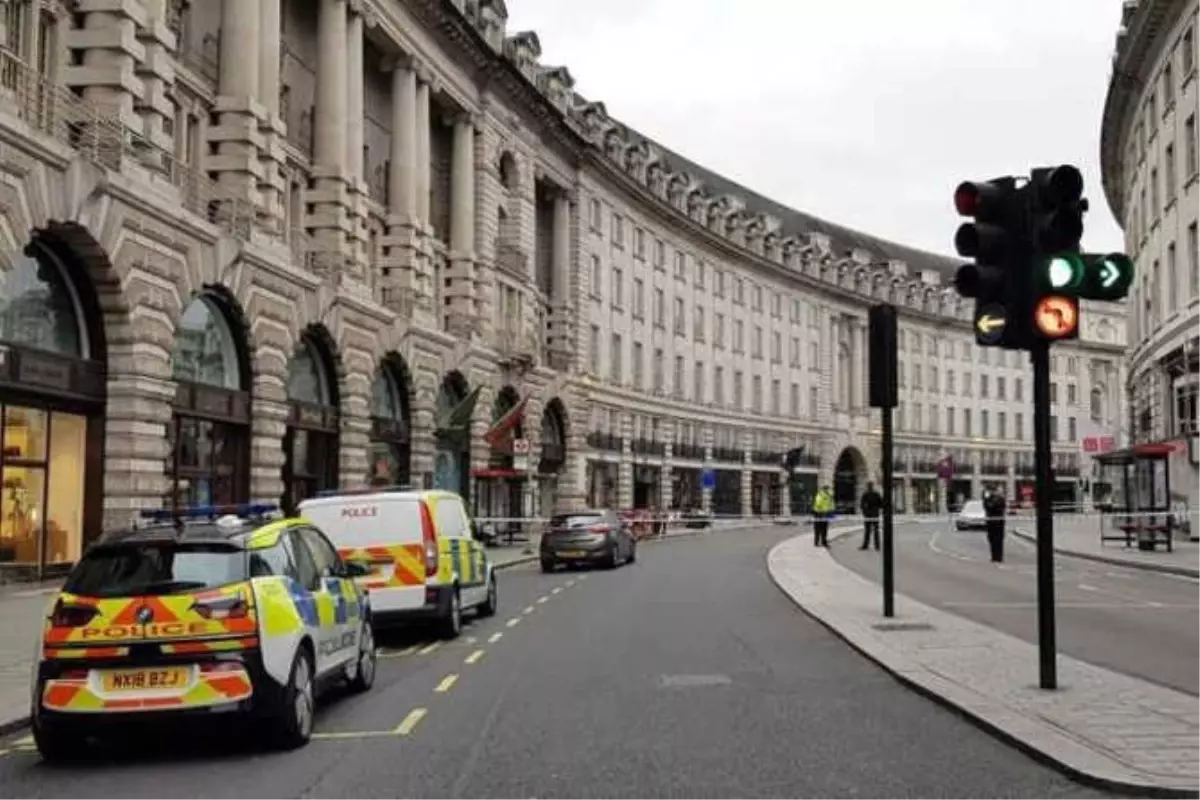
(902, 626)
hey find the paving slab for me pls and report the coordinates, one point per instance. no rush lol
(1100, 726)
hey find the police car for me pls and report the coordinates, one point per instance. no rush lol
(203, 611)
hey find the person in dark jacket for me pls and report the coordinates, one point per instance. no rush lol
(870, 505)
(993, 508)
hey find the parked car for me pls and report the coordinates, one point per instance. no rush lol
(971, 516)
(697, 518)
(587, 537)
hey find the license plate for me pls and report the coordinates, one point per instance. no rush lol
(137, 680)
(572, 553)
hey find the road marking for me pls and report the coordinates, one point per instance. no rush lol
(556, 590)
(471, 640)
(543, 599)
(24, 741)
(446, 683)
(495, 637)
(513, 622)
(410, 722)
(528, 610)
(1088, 588)
(352, 734)
(471, 659)
(429, 648)
(570, 584)
(583, 577)
(3, 752)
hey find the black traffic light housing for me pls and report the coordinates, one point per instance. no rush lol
(995, 239)
(1056, 214)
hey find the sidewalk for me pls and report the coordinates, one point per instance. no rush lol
(1080, 536)
(1101, 727)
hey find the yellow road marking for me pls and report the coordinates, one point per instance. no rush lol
(24, 741)
(471, 659)
(352, 734)
(429, 648)
(495, 637)
(410, 722)
(556, 590)
(446, 683)
(512, 622)
(528, 610)
(3, 753)
(543, 599)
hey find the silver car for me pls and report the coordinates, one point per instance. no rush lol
(587, 537)
(971, 516)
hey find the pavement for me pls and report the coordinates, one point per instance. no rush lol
(1080, 536)
(686, 674)
(1106, 728)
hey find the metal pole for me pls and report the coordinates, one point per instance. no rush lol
(1039, 357)
(889, 589)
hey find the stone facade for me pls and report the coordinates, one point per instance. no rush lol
(408, 181)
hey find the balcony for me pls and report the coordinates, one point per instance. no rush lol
(767, 457)
(518, 346)
(648, 448)
(512, 260)
(922, 466)
(729, 454)
(692, 451)
(609, 442)
(994, 469)
(1025, 470)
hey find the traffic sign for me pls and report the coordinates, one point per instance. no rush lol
(990, 324)
(1056, 317)
(521, 447)
(708, 479)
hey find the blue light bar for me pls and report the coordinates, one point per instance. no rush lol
(244, 510)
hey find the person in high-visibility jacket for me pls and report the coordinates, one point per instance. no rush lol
(822, 509)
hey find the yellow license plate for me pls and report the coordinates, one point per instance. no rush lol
(140, 680)
(572, 553)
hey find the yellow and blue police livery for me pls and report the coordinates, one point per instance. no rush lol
(201, 611)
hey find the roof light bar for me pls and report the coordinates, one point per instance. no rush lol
(183, 513)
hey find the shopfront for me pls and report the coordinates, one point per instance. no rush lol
(925, 495)
(310, 446)
(727, 494)
(500, 486)
(455, 407)
(209, 433)
(687, 488)
(52, 394)
(603, 483)
(554, 456)
(765, 493)
(389, 457)
(802, 489)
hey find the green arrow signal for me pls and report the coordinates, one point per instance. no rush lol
(1109, 276)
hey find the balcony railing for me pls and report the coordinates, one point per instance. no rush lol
(58, 112)
(647, 447)
(513, 260)
(693, 451)
(766, 457)
(729, 454)
(604, 441)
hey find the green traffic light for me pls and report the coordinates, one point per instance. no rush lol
(1064, 271)
(1109, 276)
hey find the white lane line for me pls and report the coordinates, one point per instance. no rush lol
(474, 657)
(495, 637)
(556, 590)
(543, 599)
(446, 683)
(410, 722)
(527, 610)
(570, 584)
(429, 648)
(512, 623)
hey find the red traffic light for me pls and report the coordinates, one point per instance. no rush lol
(966, 198)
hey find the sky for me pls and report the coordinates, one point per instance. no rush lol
(866, 113)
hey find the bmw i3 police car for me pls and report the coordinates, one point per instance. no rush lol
(203, 611)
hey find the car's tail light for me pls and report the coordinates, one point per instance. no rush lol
(71, 615)
(220, 666)
(429, 540)
(224, 608)
(73, 675)
(599, 528)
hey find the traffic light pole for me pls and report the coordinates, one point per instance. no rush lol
(1039, 357)
(889, 583)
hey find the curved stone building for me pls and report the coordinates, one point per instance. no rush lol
(1148, 152)
(252, 249)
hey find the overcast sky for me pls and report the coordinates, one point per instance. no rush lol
(863, 112)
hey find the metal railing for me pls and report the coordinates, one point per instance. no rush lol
(58, 112)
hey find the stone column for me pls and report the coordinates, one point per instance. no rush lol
(666, 483)
(747, 478)
(105, 55)
(272, 187)
(401, 243)
(827, 352)
(460, 278)
(328, 220)
(625, 466)
(561, 319)
(423, 152)
(269, 421)
(355, 121)
(705, 492)
(157, 73)
(237, 162)
(424, 436)
(858, 362)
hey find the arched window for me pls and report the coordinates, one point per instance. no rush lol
(310, 446)
(209, 434)
(51, 409)
(455, 408)
(390, 449)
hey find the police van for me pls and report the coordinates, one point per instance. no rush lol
(208, 611)
(422, 559)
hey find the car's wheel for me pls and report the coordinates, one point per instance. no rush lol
(614, 557)
(55, 743)
(547, 565)
(294, 719)
(489, 606)
(368, 660)
(632, 553)
(451, 625)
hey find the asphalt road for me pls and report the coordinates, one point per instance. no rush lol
(687, 674)
(1134, 621)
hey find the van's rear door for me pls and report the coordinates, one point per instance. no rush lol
(380, 530)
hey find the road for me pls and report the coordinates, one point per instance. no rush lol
(685, 674)
(1134, 621)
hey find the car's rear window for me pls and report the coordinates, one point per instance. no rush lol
(155, 568)
(973, 506)
(575, 520)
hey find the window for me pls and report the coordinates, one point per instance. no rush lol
(1168, 86)
(950, 381)
(595, 214)
(1072, 394)
(595, 340)
(737, 390)
(1185, 406)
(1002, 425)
(660, 253)
(1172, 279)
(698, 324)
(795, 400)
(639, 298)
(776, 347)
(1054, 391)
(1170, 177)
(1018, 389)
(124, 570)
(776, 305)
(597, 275)
(1189, 132)
(794, 352)
(1019, 425)
(983, 423)
(618, 287)
(738, 330)
(1188, 47)
(758, 298)
(1000, 388)
(660, 308)
(968, 390)
(680, 318)
(657, 369)
(698, 383)
(757, 351)
(813, 401)
(775, 400)
(901, 379)
(719, 290)
(739, 291)
(950, 422)
(719, 330)
(756, 394)
(1193, 262)
(1154, 193)
(681, 266)
(639, 243)
(718, 385)
(966, 422)
(700, 270)
(1053, 428)
(813, 356)
(677, 384)
(614, 359)
(638, 357)
(1071, 429)
(933, 379)
(618, 230)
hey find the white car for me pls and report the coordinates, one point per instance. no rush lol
(971, 516)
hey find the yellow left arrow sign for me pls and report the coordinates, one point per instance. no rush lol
(988, 323)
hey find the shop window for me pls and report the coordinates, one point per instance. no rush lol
(209, 435)
(38, 307)
(311, 443)
(389, 450)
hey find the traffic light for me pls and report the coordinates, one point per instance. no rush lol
(1057, 206)
(995, 240)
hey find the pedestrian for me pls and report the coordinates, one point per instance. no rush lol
(822, 509)
(870, 505)
(993, 509)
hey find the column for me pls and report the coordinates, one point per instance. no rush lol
(272, 187)
(355, 167)
(828, 375)
(423, 152)
(157, 73)
(705, 492)
(328, 220)
(860, 364)
(459, 289)
(400, 244)
(105, 55)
